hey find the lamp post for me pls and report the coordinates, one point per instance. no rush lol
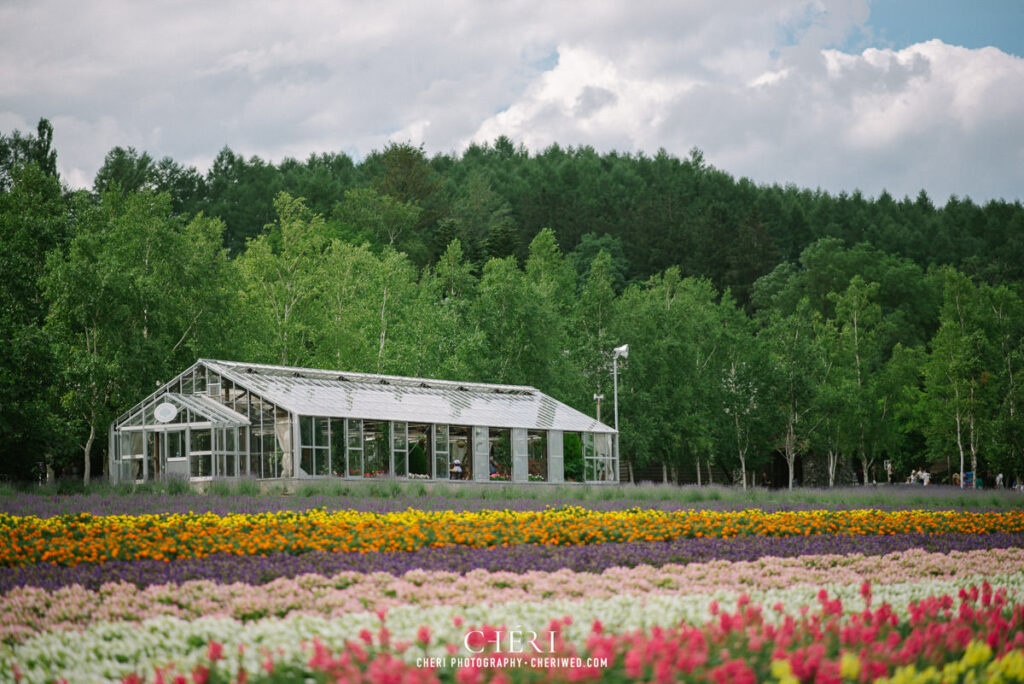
(622, 351)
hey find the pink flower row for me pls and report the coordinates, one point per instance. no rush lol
(27, 610)
(976, 637)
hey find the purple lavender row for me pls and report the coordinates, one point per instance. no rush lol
(519, 559)
(894, 498)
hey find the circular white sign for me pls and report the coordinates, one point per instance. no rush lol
(165, 412)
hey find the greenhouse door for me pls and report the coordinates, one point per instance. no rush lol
(156, 455)
(399, 449)
(175, 456)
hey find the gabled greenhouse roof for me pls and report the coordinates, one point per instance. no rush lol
(208, 408)
(337, 394)
(199, 404)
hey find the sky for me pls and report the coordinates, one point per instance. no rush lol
(842, 95)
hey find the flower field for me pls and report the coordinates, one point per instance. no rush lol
(85, 538)
(566, 593)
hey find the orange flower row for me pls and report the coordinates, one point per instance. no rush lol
(73, 539)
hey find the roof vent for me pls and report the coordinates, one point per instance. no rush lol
(461, 388)
(342, 378)
(384, 382)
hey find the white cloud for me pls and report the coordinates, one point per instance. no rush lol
(754, 85)
(930, 116)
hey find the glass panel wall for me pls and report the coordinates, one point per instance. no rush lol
(269, 437)
(400, 448)
(376, 450)
(322, 458)
(537, 456)
(213, 385)
(442, 464)
(598, 463)
(606, 469)
(154, 456)
(244, 405)
(282, 456)
(338, 441)
(131, 454)
(256, 436)
(200, 453)
(226, 457)
(500, 458)
(306, 439)
(460, 444)
(354, 430)
(419, 451)
(219, 462)
(572, 456)
(589, 468)
(315, 458)
(243, 463)
(176, 444)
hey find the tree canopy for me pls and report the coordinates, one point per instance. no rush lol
(766, 324)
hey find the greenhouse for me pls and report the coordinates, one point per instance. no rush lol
(224, 419)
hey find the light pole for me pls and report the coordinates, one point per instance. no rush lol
(598, 398)
(622, 351)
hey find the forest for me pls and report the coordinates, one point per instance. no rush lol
(772, 329)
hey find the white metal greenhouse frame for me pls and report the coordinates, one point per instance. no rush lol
(224, 419)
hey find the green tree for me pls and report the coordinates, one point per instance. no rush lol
(127, 170)
(242, 194)
(322, 179)
(957, 386)
(33, 221)
(674, 331)
(134, 298)
(797, 366)
(446, 336)
(744, 392)
(481, 220)
(17, 150)
(552, 283)
(857, 319)
(403, 172)
(521, 330)
(586, 252)
(281, 274)
(1008, 346)
(366, 314)
(590, 339)
(383, 220)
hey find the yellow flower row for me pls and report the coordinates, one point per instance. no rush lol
(74, 539)
(977, 665)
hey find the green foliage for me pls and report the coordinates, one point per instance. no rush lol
(222, 488)
(280, 275)
(17, 150)
(672, 375)
(135, 297)
(33, 221)
(572, 457)
(520, 327)
(761, 320)
(369, 217)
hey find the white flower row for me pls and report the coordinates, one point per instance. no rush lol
(109, 651)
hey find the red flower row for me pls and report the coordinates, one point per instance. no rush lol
(980, 634)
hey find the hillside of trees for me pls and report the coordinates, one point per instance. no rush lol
(765, 323)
